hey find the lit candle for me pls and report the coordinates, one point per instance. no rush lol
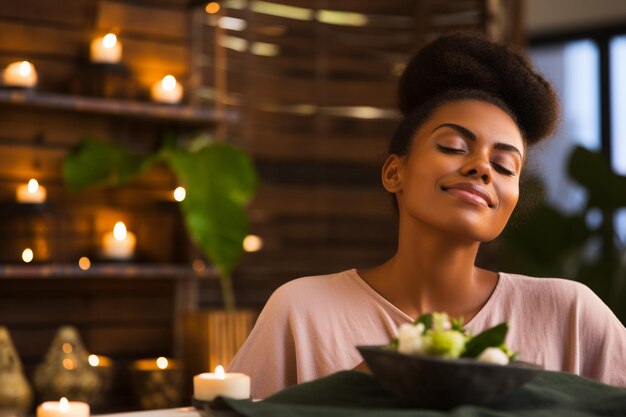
(119, 244)
(106, 49)
(63, 408)
(20, 74)
(208, 385)
(168, 90)
(31, 193)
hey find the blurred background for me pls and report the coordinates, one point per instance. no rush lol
(273, 117)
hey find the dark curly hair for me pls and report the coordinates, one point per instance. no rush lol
(468, 66)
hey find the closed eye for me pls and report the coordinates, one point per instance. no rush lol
(502, 169)
(446, 149)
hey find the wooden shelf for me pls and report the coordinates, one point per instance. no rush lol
(114, 107)
(104, 270)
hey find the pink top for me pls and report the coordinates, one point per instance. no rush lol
(310, 326)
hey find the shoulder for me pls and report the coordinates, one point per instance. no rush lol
(541, 288)
(311, 290)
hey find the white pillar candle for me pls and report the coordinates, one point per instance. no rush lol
(63, 408)
(168, 90)
(32, 192)
(208, 385)
(119, 244)
(106, 49)
(19, 74)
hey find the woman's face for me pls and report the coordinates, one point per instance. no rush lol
(462, 173)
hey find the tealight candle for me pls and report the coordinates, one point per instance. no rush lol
(207, 386)
(31, 193)
(168, 90)
(20, 74)
(119, 244)
(106, 49)
(63, 408)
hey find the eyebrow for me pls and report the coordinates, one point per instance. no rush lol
(466, 133)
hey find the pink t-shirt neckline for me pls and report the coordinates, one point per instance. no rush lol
(401, 314)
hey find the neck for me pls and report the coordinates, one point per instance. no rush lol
(432, 272)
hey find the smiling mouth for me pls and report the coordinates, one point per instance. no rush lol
(471, 194)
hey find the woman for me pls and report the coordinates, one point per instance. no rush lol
(471, 109)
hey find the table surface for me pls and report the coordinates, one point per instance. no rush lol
(172, 412)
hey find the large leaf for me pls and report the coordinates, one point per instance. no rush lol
(606, 188)
(220, 180)
(96, 162)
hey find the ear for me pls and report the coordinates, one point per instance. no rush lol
(391, 173)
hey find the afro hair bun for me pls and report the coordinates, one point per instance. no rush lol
(471, 62)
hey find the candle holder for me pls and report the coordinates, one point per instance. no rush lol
(158, 385)
(109, 80)
(65, 371)
(16, 395)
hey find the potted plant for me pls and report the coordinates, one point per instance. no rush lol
(220, 180)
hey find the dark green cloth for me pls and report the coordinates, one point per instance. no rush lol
(352, 393)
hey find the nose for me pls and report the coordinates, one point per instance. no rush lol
(480, 168)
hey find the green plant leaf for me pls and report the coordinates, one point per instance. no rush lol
(220, 180)
(426, 319)
(493, 337)
(605, 187)
(96, 162)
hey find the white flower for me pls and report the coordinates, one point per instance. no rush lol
(494, 355)
(441, 321)
(410, 338)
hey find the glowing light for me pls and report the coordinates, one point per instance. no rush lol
(94, 360)
(179, 194)
(168, 83)
(198, 265)
(109, 40)
(84, 263)
(64, 405)
(33, 186)
(232, 23)
(25, 68)
(212, 8)
(119, 231)
(67, 347)
(162, 362)
(265, 49)
(334, 17)
(27, 255)
(219, 372)
(69, 364)
(252, 243)
(282, 10)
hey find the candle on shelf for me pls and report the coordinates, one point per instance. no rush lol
(106, 49)
(19, 74)
(207, 386)
(31, 193)
(168, 90)
(63, 408)
(119, 244)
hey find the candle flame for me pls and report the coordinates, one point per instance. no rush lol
(64, 405)
(168, 83)
(162, 362)
(252, 243)
(179, 194)
(28, 255)
(109, 40)
(25, 68)
(33, 186)
(84, 263)
(219, 372)
(94, 360)
(119, 231)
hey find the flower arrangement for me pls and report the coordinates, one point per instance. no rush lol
(435, 334)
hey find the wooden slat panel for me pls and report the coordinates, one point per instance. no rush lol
(71, 13)
(283, 200)
(132, 18)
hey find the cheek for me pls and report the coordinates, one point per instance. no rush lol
(509, 197)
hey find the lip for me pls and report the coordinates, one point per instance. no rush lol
(470, 192)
